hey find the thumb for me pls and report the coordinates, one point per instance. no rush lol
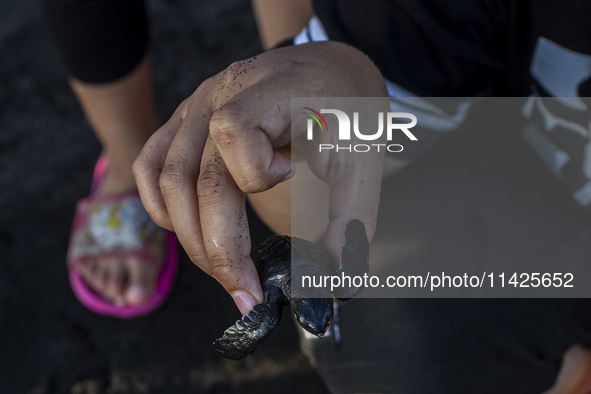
(353, 196)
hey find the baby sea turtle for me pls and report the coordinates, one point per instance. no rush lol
(273, 259)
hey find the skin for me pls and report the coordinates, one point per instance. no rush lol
(575, 373)
(280, 261)
(121, 114)
(194, 173)
(280, 20)
(255, 90)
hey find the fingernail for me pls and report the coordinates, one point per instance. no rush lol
(244, 301)
(287, 177)
(290, 174)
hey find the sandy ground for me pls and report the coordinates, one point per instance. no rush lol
(49, 343)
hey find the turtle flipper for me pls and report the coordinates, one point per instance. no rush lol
(243, 337)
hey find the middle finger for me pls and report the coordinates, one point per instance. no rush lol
(225, 230)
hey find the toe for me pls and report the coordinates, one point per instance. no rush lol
(91, 272)
(94, 270)
(84, 269)
(114, 286)
(142, 282)
(104, 278)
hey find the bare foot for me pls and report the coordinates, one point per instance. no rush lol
(129, 281)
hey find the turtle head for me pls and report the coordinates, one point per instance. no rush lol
(313, 314)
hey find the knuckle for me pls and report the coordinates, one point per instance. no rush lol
(222, 269)
(199, 258)
(213, 179)
(252, 183)
(233, 72)
(174, 175)
(236, 65)
(138, 166)
(182, 109)
(225, 81)
(228, 122)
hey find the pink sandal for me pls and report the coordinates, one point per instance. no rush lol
(118, 226)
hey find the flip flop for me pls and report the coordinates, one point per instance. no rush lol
(118, 226)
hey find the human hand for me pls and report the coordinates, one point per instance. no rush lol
(194, 172)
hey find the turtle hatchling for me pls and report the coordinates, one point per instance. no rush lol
(275, 258)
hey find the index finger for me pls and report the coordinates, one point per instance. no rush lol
(225, 231)
(247, 129)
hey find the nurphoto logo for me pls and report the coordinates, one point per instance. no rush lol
(344, 132)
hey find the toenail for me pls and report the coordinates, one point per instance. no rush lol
(137, 291)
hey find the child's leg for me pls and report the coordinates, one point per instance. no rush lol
(121, 114)
(104, 46)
